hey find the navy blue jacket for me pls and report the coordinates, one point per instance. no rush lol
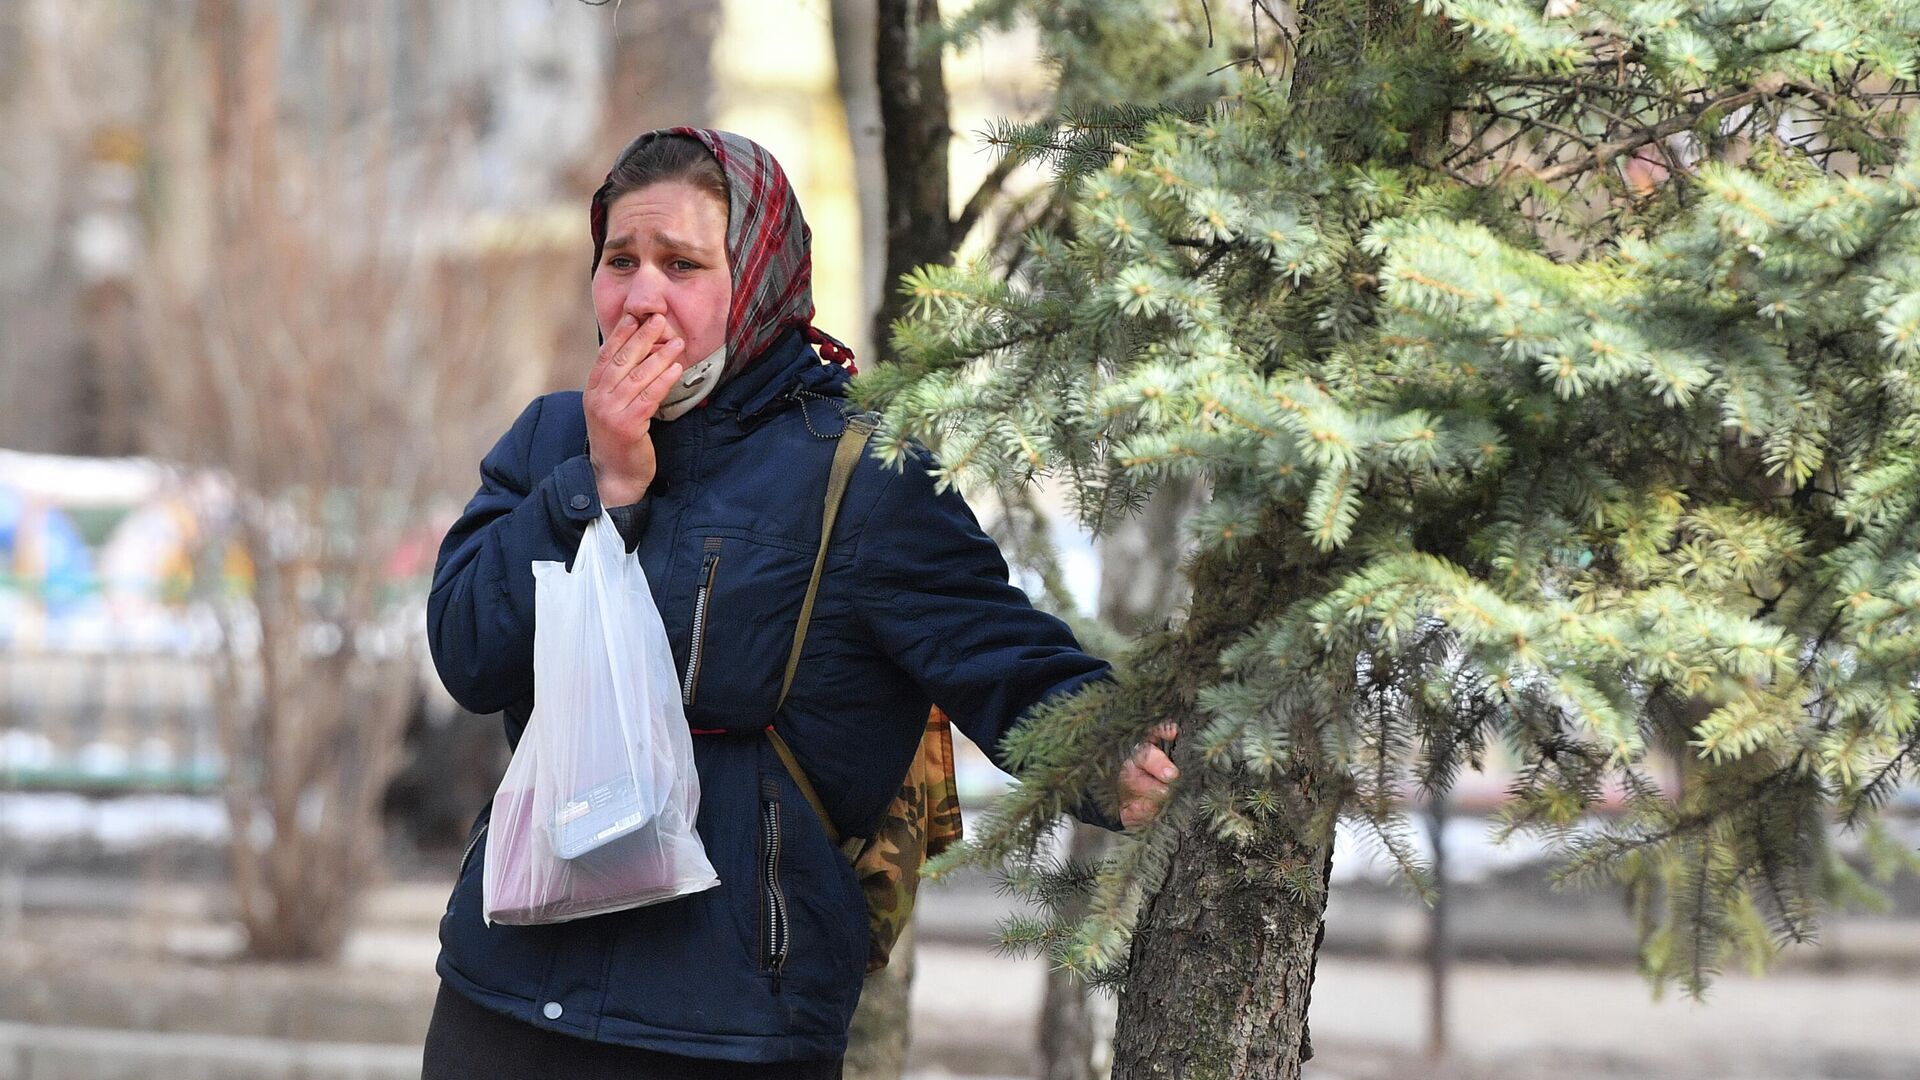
(914, 607)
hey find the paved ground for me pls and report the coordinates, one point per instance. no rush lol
(101, 980)
(1369, 1021)
(68, 998)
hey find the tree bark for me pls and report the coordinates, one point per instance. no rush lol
(1223, 955)
(903, 106)
(1223, 969)
(659, 74)
(915, 134)
(855, 48)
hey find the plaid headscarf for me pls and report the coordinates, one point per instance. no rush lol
(769, 248)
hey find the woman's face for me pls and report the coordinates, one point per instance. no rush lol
(666, 255)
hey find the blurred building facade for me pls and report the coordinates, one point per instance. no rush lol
(502, 116)
(548, 91)
(545, 90)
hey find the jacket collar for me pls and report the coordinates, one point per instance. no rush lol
(790, 365)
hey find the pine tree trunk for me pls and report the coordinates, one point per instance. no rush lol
(1222, 969)
(1223, 955)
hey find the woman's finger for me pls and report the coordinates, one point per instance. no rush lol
(1154, 761)
(639, 344)
(631, 388)
(603, 362)
(1137, 779)
(656, 392)
(1138, 812)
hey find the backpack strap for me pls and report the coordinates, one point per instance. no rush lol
(853, 442)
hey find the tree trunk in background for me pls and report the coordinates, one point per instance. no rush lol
(660, 74)
(52, 66)
(916, 132)
(315, 356)
(908, 95)
(1069, 1026)
(877, 1043)
(855, 46)
(1140, 589)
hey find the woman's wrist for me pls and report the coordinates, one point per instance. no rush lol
(616, 490)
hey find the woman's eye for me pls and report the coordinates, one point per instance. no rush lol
(620, 262)
(682, 264)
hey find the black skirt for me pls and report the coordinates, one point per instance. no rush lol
(468, 1042)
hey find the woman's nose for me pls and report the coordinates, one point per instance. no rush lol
(645, 295)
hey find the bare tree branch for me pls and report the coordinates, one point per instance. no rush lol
(1606, 152)
(983, 196)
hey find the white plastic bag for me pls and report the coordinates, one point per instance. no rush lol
(596, 811)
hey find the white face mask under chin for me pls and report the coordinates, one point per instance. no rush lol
(693, 386)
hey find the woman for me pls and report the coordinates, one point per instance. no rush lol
(707, 427)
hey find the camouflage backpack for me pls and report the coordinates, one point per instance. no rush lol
(924, 817)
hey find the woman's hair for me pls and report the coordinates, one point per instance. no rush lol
(662, 158)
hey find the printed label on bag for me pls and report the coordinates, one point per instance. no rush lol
(608, 810)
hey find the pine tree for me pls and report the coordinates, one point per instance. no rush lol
(1552, 367)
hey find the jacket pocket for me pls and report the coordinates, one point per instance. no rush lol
(702, 617)
(736, 620)
(776, 931)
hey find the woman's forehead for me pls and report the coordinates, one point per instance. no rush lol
(668, 211)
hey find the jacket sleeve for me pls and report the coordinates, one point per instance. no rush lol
(933, 592)
(480, 608)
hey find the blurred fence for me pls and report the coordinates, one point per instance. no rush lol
(108, 720)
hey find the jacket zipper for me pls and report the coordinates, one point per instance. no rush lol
(471, 844)
(708, 567)
(776, 927)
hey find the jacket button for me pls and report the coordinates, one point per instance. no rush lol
(552, 1011)
(581, 502)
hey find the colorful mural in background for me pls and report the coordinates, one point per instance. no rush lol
(107, 633)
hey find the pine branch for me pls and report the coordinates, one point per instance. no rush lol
(1875, 793)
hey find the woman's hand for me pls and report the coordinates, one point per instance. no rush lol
(1145, 776)
(630, 379)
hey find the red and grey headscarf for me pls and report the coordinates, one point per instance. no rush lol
(769, 248)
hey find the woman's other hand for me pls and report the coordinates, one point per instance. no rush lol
(636, 367)
(1145, 776)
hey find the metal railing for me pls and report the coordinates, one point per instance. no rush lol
(108, 720)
